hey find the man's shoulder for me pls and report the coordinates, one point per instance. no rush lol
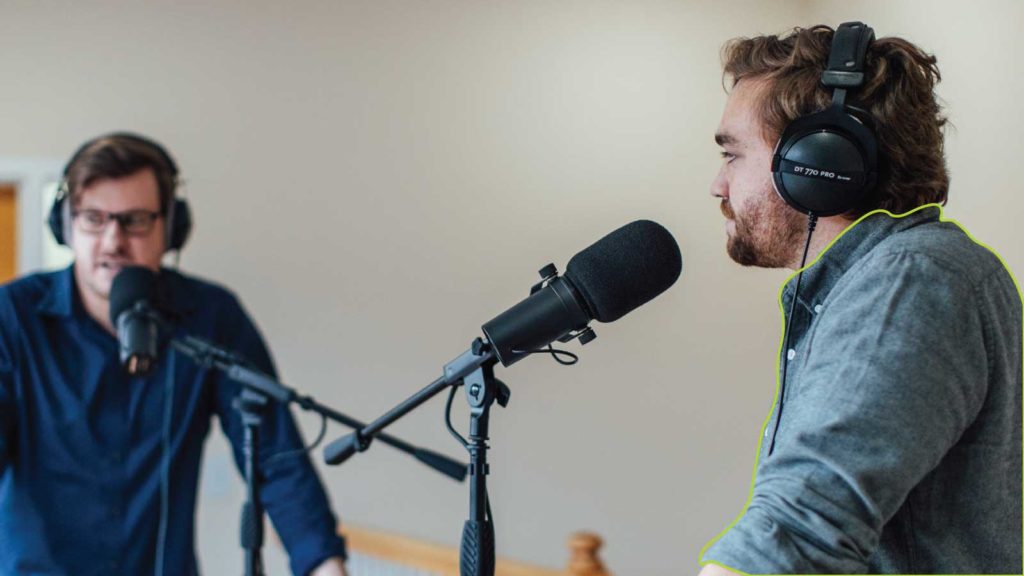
(20, 299)
(212, 311)
(27, 291)
(196, 286)
(188, 292)
(945, 249)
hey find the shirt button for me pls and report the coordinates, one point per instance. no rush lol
(766, 432)
(791, 354)
(817, 309)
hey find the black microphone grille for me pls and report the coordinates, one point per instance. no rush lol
(132, 283)
(625, 269)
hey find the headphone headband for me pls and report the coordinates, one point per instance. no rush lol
(846, 58)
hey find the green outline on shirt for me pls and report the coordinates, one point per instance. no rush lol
(782, 339)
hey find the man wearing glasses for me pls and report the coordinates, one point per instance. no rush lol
(84, 447)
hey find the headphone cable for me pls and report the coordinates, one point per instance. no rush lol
(812, 222)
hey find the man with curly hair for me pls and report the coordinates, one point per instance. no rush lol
(899, 448)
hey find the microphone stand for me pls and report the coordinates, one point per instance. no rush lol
(258, 389)
(250, 404)
(477, 556)
(475, 369)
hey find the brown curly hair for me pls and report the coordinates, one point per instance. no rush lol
(898, 93)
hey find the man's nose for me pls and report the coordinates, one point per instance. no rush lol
(720, 186)
(113, 235)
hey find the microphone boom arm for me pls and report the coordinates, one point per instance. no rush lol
(359, 440)
(240, 370)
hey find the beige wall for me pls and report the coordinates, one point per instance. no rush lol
(377, 179)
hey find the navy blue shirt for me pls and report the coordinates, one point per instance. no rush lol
(81, 441)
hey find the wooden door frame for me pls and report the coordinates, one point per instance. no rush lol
(30, 176)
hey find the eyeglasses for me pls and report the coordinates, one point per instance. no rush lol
(134, 222)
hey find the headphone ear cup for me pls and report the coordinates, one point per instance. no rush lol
(180, 225)
(824, 164)
(56, 221)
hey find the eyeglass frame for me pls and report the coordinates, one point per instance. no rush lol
(121, 218)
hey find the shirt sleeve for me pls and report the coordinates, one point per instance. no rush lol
(894, 372)
(291, 490)
(7, 411)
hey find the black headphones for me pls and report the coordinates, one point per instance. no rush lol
(827, 162)
(177, 214)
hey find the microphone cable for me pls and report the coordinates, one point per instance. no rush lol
(568, 360)
(274, 458)
(165, 465)
(812, 222)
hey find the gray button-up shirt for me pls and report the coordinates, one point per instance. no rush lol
(899, 445)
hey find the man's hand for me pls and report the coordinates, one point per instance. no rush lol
(716, 570)
(330, 567)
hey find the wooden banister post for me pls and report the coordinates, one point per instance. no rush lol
(584, 559)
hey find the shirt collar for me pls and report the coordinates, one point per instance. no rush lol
(849, 247)
(62, 299)
(59, 301)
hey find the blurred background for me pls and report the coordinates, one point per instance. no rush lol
(375, 180)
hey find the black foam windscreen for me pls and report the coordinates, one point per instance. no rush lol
(625, 269)
(132, 283)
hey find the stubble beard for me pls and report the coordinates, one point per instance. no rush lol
(767, 234)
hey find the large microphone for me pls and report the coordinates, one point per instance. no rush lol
(603, 282)
(133, 315)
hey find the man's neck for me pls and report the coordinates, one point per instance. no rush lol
(825, 232)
